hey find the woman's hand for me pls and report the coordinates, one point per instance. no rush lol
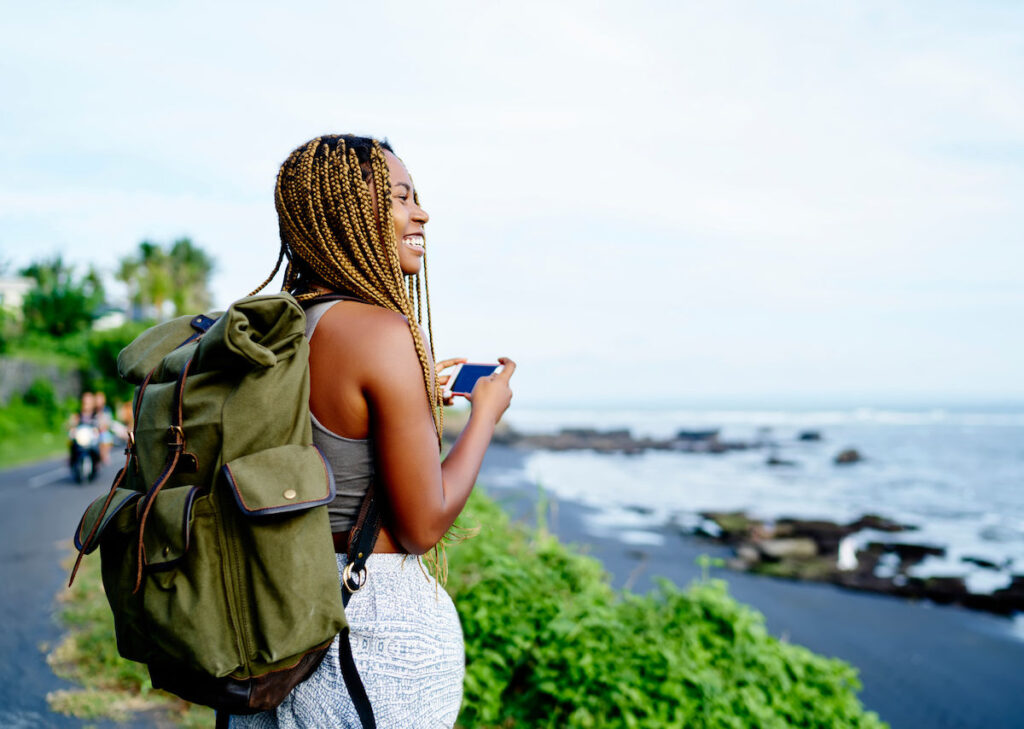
(442, 380)
(492, 395)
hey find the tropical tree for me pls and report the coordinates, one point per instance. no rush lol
(191, 267)
(61, 303)
(179, 274)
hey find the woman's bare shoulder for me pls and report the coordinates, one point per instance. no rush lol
(371, 331)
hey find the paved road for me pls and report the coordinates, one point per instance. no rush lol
(923, 666)
(39, 509)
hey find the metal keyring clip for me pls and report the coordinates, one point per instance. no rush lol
(347, 581)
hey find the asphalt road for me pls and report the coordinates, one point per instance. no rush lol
(39, 509)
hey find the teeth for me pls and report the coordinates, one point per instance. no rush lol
(415, 240)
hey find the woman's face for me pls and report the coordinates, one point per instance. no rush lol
(409, 217)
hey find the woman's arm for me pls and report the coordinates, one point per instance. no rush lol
(424, 495)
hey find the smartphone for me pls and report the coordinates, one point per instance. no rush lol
(465, 376)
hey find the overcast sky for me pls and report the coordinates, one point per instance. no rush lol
(649, 202)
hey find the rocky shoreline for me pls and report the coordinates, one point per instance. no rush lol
(857, 555)
(622, 441)
(826, 551)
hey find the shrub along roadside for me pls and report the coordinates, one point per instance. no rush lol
(31, 426)
(550, 644)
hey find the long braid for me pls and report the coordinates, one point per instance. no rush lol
(332, 232)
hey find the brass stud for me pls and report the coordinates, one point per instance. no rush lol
(290, 494)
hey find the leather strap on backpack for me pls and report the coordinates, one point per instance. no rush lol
(175, 449)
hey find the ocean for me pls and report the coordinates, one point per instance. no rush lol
(955, 475)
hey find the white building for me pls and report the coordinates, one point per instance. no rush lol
(13, 290)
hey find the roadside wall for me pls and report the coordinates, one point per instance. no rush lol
(17, 374)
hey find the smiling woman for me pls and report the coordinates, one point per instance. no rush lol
(355, 258)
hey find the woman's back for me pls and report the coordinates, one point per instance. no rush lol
(350, 459)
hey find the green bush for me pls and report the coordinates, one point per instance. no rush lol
(99, 363)
(31, 430)
(41, 395)
(549, 643)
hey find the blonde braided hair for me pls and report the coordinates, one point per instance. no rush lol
(333, 234)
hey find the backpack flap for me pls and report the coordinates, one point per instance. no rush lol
(149, 348)
(120, 499)
(280, 480)
(257, 331)
(169, 527)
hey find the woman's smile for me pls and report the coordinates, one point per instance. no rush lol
(414, 243)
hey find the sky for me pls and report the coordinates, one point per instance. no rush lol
(644, 203)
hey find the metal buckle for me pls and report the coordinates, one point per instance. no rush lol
(347, 581)
(175, 436)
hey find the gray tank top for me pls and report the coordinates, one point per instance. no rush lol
(350, 459)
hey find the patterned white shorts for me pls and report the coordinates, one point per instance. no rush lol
(408, 647)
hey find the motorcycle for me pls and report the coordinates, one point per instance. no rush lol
(85, 452)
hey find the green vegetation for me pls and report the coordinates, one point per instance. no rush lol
(31, 426)
(179, 274)
(61, 303)
(548, 644)
(98, 363)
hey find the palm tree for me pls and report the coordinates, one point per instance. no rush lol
(191, 267)
(181, 275)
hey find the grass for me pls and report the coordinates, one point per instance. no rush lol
(30, 447)
(29, 433)
(112, 687)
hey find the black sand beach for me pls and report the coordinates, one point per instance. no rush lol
(923, 666)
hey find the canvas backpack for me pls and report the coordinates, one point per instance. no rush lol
(215, 544)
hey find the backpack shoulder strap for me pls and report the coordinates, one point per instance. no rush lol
(323, 298)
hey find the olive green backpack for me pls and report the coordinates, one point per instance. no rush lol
(214, 539)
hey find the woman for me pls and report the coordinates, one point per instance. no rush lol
(351, 224)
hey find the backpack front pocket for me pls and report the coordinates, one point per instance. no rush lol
(281, 494)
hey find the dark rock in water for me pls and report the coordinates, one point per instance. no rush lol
(787, 548)
(850, 455)
(826, 534)
(818, 569)
(697, 435)
(611, 441)
(620, 434)
(980, 562)
(809, 436)
(1005, 601)
(638, 509)
(943, 590)
(734, 525)
(774, 460)
(880, 523)
(909, 554)
(616, 441)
